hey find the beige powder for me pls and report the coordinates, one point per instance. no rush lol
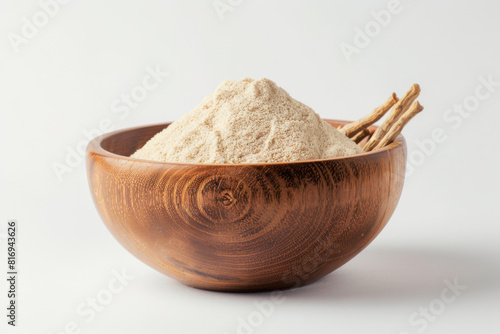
(248, 121)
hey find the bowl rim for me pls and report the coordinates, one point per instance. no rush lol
(95, 147)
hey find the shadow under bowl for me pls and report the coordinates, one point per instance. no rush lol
(243, 227)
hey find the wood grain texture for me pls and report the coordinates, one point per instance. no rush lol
(249, 227)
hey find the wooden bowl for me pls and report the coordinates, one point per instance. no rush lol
(248, 227)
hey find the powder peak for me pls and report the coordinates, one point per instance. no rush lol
(248, 121)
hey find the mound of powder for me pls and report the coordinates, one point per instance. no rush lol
(248, 121)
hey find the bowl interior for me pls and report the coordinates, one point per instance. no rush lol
(128, 141)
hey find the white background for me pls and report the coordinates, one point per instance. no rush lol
(65, 78)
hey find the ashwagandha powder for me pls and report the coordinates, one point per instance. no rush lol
(248, 121)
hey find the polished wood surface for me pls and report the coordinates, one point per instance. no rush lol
(246, 227)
